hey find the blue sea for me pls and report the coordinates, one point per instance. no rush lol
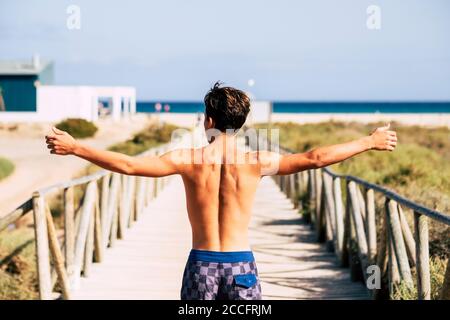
(311, 107)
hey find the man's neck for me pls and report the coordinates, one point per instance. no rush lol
(224, 145)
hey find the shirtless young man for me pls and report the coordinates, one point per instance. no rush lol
(220, 190)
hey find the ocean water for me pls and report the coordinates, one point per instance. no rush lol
(312, 107)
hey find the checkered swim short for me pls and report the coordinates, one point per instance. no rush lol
(211, 275)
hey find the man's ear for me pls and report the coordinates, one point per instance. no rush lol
(209, 122)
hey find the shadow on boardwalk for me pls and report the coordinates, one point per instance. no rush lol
(292, 265)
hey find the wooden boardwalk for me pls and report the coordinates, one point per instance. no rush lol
(149, 262)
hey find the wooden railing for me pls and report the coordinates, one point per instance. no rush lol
(97, 210)
(348, 225)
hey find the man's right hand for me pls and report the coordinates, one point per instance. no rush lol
(60, 142)
(383, 139)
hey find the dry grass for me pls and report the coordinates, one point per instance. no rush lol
(18, 278)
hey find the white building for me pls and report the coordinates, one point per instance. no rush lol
(28, 95)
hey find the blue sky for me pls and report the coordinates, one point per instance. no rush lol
(294, 50)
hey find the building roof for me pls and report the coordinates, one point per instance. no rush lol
(18, 68)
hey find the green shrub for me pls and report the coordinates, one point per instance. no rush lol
(6, 168)
(78, 128)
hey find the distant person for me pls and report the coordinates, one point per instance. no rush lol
(158, 107)
(166, 107)
(220, 190)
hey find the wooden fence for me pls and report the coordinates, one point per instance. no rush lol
(97, 210)
(343, 213)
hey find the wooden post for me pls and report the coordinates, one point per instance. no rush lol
(318, 193)
(58, 260)
(123, 208)
(293, 192)
(362, 205)
(382, 259)
(422, 257)
(398, 243)
(132, 201)
(69, 229)
(394, 276)
(359, 226)
(89, 247)
(98, 242)
(345, 255)
(112, 209)
(282, 183)
(115, 224)
(311, 196)
(81, 239)
(408, 237)
(330, 211)
(320, 219)
(371, 225)
(105, 198)
(299, 188)
(339, 213)
(42, 249)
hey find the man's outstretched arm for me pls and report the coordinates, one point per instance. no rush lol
(380, 139)
(61, 143)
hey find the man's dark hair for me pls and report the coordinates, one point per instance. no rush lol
(227, 106)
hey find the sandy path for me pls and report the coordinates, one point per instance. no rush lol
(36, 168)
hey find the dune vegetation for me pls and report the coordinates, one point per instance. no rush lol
(6, 168)
(78, 128)
(418, 169)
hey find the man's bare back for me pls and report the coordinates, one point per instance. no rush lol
(219, 197)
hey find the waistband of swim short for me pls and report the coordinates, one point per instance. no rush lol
(221, 257)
